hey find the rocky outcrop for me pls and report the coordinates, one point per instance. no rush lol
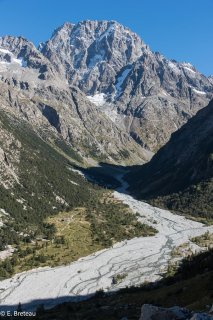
(211, 79)
(21, 52)
(9, 158)
(149, 312)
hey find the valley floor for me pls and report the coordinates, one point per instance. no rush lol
(127, 263)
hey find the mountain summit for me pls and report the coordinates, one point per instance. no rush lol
(143, 92)
(100, 87)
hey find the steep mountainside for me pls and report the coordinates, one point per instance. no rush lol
(44, 199)
(141, 91)
(92, 93)
(35, 179)
(33, 88)
(97, 87)
(180, 175)
(102, 89)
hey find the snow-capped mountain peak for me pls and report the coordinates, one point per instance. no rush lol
(150, 95)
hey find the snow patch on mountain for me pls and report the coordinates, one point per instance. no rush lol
(173, 67)
(188, 69)
(107, 32)
(99, 99)
(8, 58)
(165, 93)
(198, 92)
(5, 51)
(187, 64)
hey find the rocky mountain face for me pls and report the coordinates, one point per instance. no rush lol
(32, 87)
(99, 87)
(9, 158)
(90, 54)
(180, 175)
(211, 79)
(95, 90)
(47, 124)
(141, 91)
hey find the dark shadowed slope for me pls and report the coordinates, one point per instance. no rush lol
(179, 176)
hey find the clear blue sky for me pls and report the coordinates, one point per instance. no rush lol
(180, 29)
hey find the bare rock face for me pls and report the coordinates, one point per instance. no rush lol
(17, 51)
(9, 158)
(91, 53)
(158, 96)
(210, 79)
(96, 84)
(149, 312)
(150, 96)
(33, 89)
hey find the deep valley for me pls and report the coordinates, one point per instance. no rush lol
(106, 177)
